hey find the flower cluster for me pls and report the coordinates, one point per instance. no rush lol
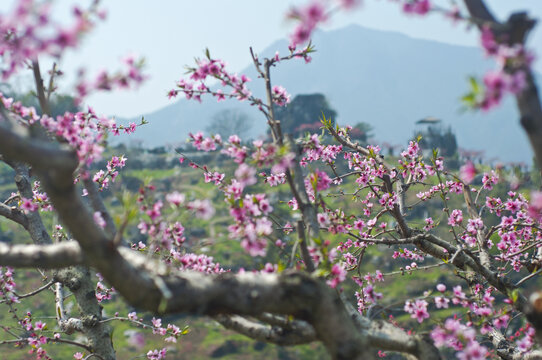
(417, 310)
(102, 291)
(131, 77)
(84, 131)
(201, 263)
(252, 226)
(29, 31)
(509, 77)
(196, 86)
(170, 333)
(7, 285)
(25, 114)
(419, 7)
(205, 143)
(103, 178)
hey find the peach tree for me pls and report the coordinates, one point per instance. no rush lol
(486, 241)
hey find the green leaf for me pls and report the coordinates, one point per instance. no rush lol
(475, 85)
(514, 295)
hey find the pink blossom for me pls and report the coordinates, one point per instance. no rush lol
(280, 96)
(99, 220)
(155, 211)
(458, 292)
(441, 302)
(473, 351)
(488, 41)
(418, 310)
(157, 323)
(429, 224)
(338, 275)
(323, 219)
(175, 198)
(467, 172)
(28, 205)
(456, 217)
(245, 174)
(419, 7)
(156, 354)
(349, 4)
(203, 208)
(39, 326)
(321, 179)
(132, 316)
(276, 179)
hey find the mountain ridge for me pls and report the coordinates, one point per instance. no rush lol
(384, 78)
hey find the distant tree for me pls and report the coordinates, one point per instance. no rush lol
(230, 121)
(303, 114)
(361, 132)
(437, 137)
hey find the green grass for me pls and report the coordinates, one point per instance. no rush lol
(155, 174)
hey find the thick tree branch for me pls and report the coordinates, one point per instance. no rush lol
(479, 10)
(90, 322)
(41, 256)
(35, 228)
(385, 336)
(294, 294)
(19, 146)
(441, 249)
(13, 214)
(515, 31)
(528, 101)
(293, 335)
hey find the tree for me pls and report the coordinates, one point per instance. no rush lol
(303, 114)
(361, 132)
(494, 253)
(434, 136)
(229, 122)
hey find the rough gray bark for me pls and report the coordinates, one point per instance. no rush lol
(63, 254)
(76, 279)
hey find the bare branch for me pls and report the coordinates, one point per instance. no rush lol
(42, 98)
(37, 291)
(303, 246)
(98, 205)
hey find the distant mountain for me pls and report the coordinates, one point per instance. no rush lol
(383, 78)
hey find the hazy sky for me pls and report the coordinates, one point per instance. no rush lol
(170, 33)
